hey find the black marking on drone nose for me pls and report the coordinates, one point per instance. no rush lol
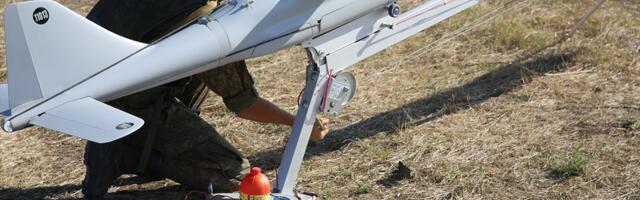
(41, 15)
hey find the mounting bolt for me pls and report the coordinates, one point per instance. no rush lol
(394, 10)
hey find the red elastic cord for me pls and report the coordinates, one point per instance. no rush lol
(299, 96)
(326, 90)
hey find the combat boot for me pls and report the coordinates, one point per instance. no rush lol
(104, 164)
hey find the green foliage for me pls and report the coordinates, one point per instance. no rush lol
(511, 33)
(363, 188)
(631, 124)
(385, 155)
(574, 165)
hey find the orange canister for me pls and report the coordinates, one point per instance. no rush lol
(255, 186)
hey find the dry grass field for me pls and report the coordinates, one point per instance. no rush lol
(477, 117)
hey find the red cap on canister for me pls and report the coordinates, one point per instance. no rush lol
(255, 183)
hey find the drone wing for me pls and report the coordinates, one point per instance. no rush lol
(89, 119)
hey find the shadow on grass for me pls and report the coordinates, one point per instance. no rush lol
(37, 192)
(72, 191)
(497, 82)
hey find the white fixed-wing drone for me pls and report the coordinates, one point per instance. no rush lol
(61, 66)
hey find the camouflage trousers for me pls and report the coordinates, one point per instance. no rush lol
(192, 152)
(186, 149)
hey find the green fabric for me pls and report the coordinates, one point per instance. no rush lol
(233, 83)
(141, 20)
(241, 101)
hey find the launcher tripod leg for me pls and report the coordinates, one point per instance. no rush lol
(308, 108)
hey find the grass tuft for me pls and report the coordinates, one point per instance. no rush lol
(574, 165)
(362, 189)
(631, 124)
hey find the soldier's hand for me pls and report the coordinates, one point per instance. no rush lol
(320, 130)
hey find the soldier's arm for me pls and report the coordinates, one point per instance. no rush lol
(262, 110)
(235, 85)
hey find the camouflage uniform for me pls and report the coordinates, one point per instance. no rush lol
(185, 148)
